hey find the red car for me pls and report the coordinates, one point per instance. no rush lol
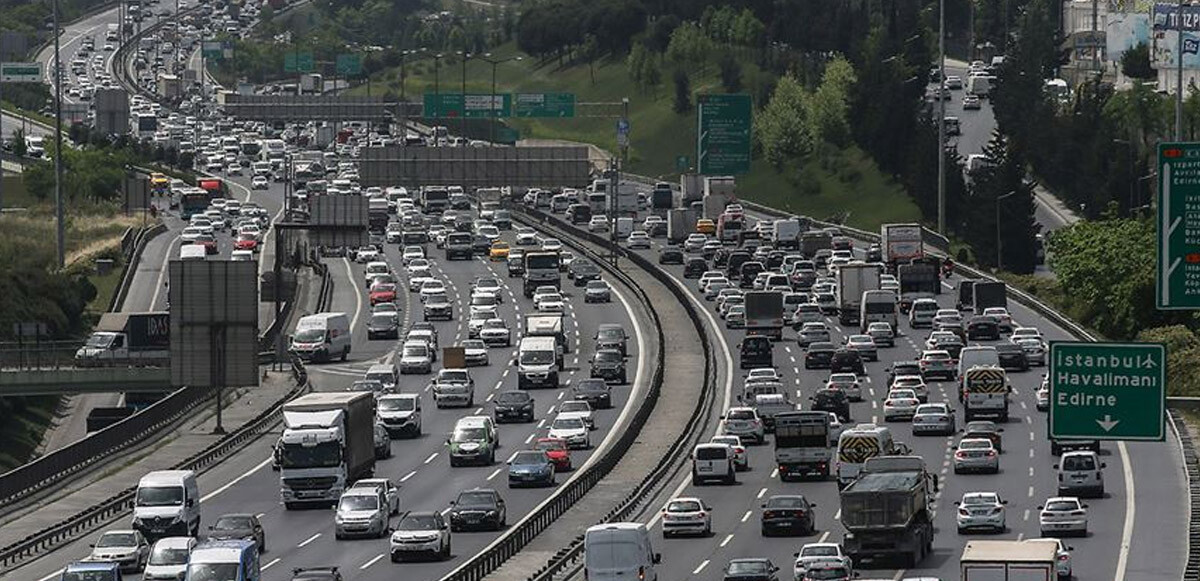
(383, 292)
(558, 452)
(246, 242)
(209, 243)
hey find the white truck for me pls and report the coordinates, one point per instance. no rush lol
(719, 191)
(802, 444)
(691, 189)
(680, 223)
(328, 442)
(627, 203)
(128, 339)
(900, 243)
(1008, 561)
(852, 281)
(786, 233)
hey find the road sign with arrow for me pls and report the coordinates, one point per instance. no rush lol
(1107, 391)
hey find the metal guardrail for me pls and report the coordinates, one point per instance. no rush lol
(84, 521)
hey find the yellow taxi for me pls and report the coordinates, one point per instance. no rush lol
(706, 226)
(159, 183)
(499, 251)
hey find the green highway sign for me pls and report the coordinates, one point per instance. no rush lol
(1178, 279)
(723, 134)
(349, 64)
(21, 72)
(298, 62)
(1107, 391)
(212, 50)
(544, 105)
(474, 106)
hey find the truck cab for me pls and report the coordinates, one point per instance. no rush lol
(328, 441)
(128, 339)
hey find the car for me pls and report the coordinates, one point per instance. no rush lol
(526, 236)
(168, 558)
(382, 292)
(881, 334)
(609, 364)
(571, 430)
(686, 515)
(1034, 348)
(983, 327)
(848, 383)
(981, 510)
(819, 355)
(970, 102)
(937, 363)
(935, 338)
(552, 302)
(515, 405)
(638, 239)
(706, 226)
(976, 455)
(383, 441)
(985, 429)
(498, 251)
(478, 509)
(813, 554)
(736, 317)
(432, 287)
(415, 357)
(934, 418)
(598, 224)
(495, 333)
(900, 404)
(475, 352)
(238, 527)
(670, 255)
(558, 452)
(578, 408)
(953, 82)
(383, 325)
(597, 291)
(583, 272)
(611, 336)
(596, 392)
(411, 253)
(813, 333)
(531, 468)
(420, 533)
(913, 382)
(744, 423)
(1062, 556)
(488, 286)
(1012, 357)
(128, 548)
(789, 514)
(741, 458)
(1062, 516)
(1003, 319)
(1080, 472)
(864, 345)
(438, 306)
(807, 313)
(1042, 396)
(367, 255)
(260, 183)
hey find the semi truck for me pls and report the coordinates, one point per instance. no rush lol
(989, 294)
(885, 511)
(1009, 561)
(662, 198)
(764, 314)
(853, 280)
(814, 240)
(802, 444)
(122, 339)
(900, 244)
(691, 189)
(328, 442)
(680, 223)
(918, 280)
(541, 268)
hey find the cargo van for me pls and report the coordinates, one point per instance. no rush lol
(224, 560)
(980, 85)
(619, 552)
(624, 227)
(537, 362)
(193, 252)
(322, 336)
(167, 504)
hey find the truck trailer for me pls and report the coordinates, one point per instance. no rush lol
(885, 511)
(124, 339)
(853, 280)
(328, 442)
(989, 294)
(764, 314)
(900, 243)
(1008, 561)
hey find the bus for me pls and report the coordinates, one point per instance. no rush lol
(193, 201)
(859, 444)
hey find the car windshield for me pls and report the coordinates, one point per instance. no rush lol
(740, 414)
(483, 300)
(819, 551)
(748, 568)
(537, 357)
(608, 356)
(975, 445)
(310, 335)
(575, 406)
(454, 376)
(359, 502)
(160, 496)
(512, 397)
(1062, 505)
(596, 285)
(473, 344)
(710, 453)
(567, 424)
(164, 556)
(471, 434)
(116, 540)
(213, 571)
(419, 522)
(382, 319)
(1078, 463)
(472, 499)
(976, 499)
(530, 457)
(399, 404)
(415, 351)
(684, 506)
(786, 502)
(232, 523)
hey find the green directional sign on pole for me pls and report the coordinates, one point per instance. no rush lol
(212, 50)
(21, 72)
(1107, 391)
(723, 134)
(298, 62)
(544, 105)
(1178, 280)
(349, 64)
(474, 106)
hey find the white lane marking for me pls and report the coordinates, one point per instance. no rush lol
(697, 570)
(233, 482)
(746, 517)
(431, 457)
(309, 540)
(409, 475)
(1025, 516)
(1030, 492)
(162, 272)
(824, 535)
(1130, 513)
(513, 457)
(762, 493)
(775, 473)
(899, 575)
(493, 474)
(530, 438)
(56, 574)
(371, 562)
(837, 515)
(728, 538)
(273, 562)
(358, 302)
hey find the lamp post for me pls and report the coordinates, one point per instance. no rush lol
(495, 62)
(437, 59)
(999, 242)
(462, 126)
(58, 169)
(403, 95)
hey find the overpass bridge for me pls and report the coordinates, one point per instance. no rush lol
(48, 368)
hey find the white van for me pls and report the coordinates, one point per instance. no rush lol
(976, 356)
(713, 461)
(193, 252)
(224, 560)
(537, 362)
(167, 504)
(322, 336)
(619, 552)
(980, 85)
(878, 305)
(624, 227)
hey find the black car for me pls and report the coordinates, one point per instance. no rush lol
(753, 569)
(238, 527)
(1012, 356)
(787, 513)
(579, 213)
(755, 352)
(611, 336)
(831, 400)
(735, 262)
(694, 267)
(316, 574)
(775, 259)
(383, 326)
(874, 253)
(478, 509)
(593, 391)
(819, 355)
(847, 361)
(720, 258)
(657, 229)
(609, 364)
(750, 272)
(481, 244)
(981, 327)
(903, 368)
(582, 271)
(515, 406)
(670, 255)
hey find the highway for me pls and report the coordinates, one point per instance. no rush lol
(1136, 532)
(244, 483)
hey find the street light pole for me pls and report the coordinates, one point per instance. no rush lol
(462, 123)
(1179, 74)
(999, 241)
(495, 63)
(58, 176)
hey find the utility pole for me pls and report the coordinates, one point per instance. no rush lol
(462, 126)
(1179, 74)
(1095, 35)
(941, 148)
(1000, 241)
(58, 201)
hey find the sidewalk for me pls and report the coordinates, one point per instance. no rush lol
(242, 405)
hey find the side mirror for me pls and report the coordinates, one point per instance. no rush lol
(812, 505)
(210, 527)
(1054, 466)
(1085, 506)
(1003, 502)
(657, 558)
(191, 502)
(1040, 507)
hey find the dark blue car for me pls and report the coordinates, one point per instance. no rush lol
(530, 468)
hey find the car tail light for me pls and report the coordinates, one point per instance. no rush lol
(1064, 557)
(799, 513)
(991, 453)
(701, 514)
(641, 572)
(1077, 513)
(960, 454)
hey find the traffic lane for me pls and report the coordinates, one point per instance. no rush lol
(977, 125)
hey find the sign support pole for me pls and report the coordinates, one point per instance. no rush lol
(1179, 75)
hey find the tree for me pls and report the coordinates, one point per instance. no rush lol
(683, 92)
(781, 129)
(1135, 62)
(589, 51)
(1022, 109)
(731, 73)
(19, 147)
(828, 107)
(635, 64)
(748, 30)
(689, 47)
(1002, 199)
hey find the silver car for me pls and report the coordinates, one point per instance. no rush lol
(976, 455)
(1034, 348)
(597, 291)
(128, 548)
(881, 333)
(686, 516)
(934, 418)
(865, 346)
(744, 423)
(981, 510)
(361, 512)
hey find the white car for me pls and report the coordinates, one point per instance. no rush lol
(489, 286)
(572, 430)
(577, 409)
(686, 515)
(526, 237)
(714, 288)
(260, 183)
(913, 382)
(1001, 315)
(475, 352)
(495, 333)
(741, 458)
(981, 510)
(169, 558)
(549, 303)
(598, 224)
(367, 255)
(694, 242)
(848, 383)
(391, 493)
(432, 287)
(551, 245)
(808, 313)
(1063, 557)
(419, 267)
(415, 357)
(1063, 515)
(638, 239)
(422, 533)
(191, 234)
(411, 253)
(415, 282)
(900, 404)
(865, 346)
(128, 548)
(816, 553)
(810, 333)
(1026, 333)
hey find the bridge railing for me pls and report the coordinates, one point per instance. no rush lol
(61, 355)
